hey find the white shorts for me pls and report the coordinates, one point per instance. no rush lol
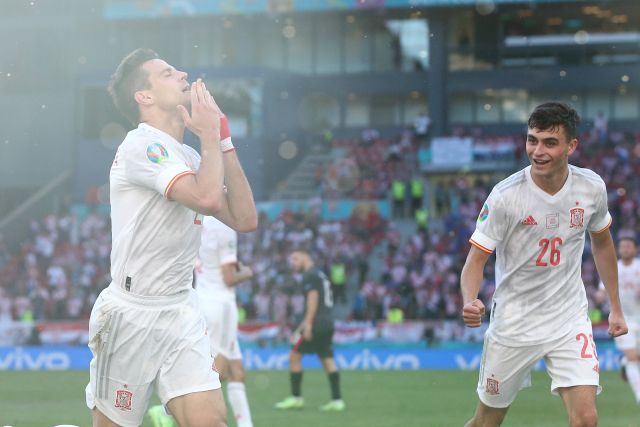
(139, 343)
(222, 327)
(570, 361)
(629, 341)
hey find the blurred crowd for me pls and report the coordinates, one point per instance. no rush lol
(58, 271)
(378, 267)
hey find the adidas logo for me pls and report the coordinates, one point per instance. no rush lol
(530, 220)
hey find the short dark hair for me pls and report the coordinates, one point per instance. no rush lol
(629, 238)
(552, 115)
(129, 78)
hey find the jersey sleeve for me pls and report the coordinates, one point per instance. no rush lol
(228, 245)
(208, 240)
(491, 224)
(153, 164)
(313, 283)
(601, 218)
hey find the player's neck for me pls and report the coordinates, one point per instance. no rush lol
(170, 124)
(551, 184)
(627, 262)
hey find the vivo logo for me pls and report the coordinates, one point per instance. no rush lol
(366, 360)
(362, 360)
(20, 360)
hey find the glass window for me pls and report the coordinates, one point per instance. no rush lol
(487, 109)
(413, 39)
(358, 111)
(385, 110)
(414, 105)
(196, 46)
(461, 109)
(537, 98)
(328, 43)
(240, 43)
(271, 51)
(218, 42)
(357, 45)
(596, 102)
(241, 100)
(297, 34)
(386, 47)
(514, 106)
(625, 104)
(319, 112)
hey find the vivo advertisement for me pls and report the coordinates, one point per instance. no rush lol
(52, 358)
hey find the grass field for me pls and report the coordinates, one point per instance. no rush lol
(374, 399)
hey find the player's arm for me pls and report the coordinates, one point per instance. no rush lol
(604, 255)
(310, 313)
(235, 272)
(237, 208)
(202, 192)
(470, 281)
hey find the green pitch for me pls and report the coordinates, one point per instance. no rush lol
(400, 398)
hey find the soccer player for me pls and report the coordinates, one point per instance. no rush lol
(216, 277)
(315, 333)
(629, 282)
(536, 220)
(146, 329)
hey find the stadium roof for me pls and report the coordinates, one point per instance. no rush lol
(125, 9)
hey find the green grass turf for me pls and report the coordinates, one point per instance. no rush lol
(400, 398)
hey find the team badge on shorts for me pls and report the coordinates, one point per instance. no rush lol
(157, 153)
(576, 218)
(493, 387)
(123, 400)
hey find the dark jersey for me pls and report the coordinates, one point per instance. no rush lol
(315, 279)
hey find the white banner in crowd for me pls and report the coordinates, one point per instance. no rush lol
(452, 151)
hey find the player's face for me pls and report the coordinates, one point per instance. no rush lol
(549, 151)
(296, 262)
(626, 249)
(169, 87)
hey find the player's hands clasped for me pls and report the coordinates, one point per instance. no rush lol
(204, 120)
(472, 313)
(617, 324)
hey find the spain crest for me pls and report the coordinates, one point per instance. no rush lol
(493, 386)
(123, 400)
(576, 218)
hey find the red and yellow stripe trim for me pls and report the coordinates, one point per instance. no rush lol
(479, 246)
(167, 190)
(606, 227)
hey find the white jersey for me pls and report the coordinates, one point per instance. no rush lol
(219, 247)
(155, 240)
(629, 290)
(539, 241)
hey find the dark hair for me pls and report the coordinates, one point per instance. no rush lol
(629, 238)
(552, 115)
(129, 78)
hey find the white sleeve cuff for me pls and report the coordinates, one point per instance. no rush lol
(602, 226)
(169, 176)
(482, 242)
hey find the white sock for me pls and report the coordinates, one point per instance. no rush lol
(239, 404)
(633, 376)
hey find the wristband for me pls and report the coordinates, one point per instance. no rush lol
(225, 135)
